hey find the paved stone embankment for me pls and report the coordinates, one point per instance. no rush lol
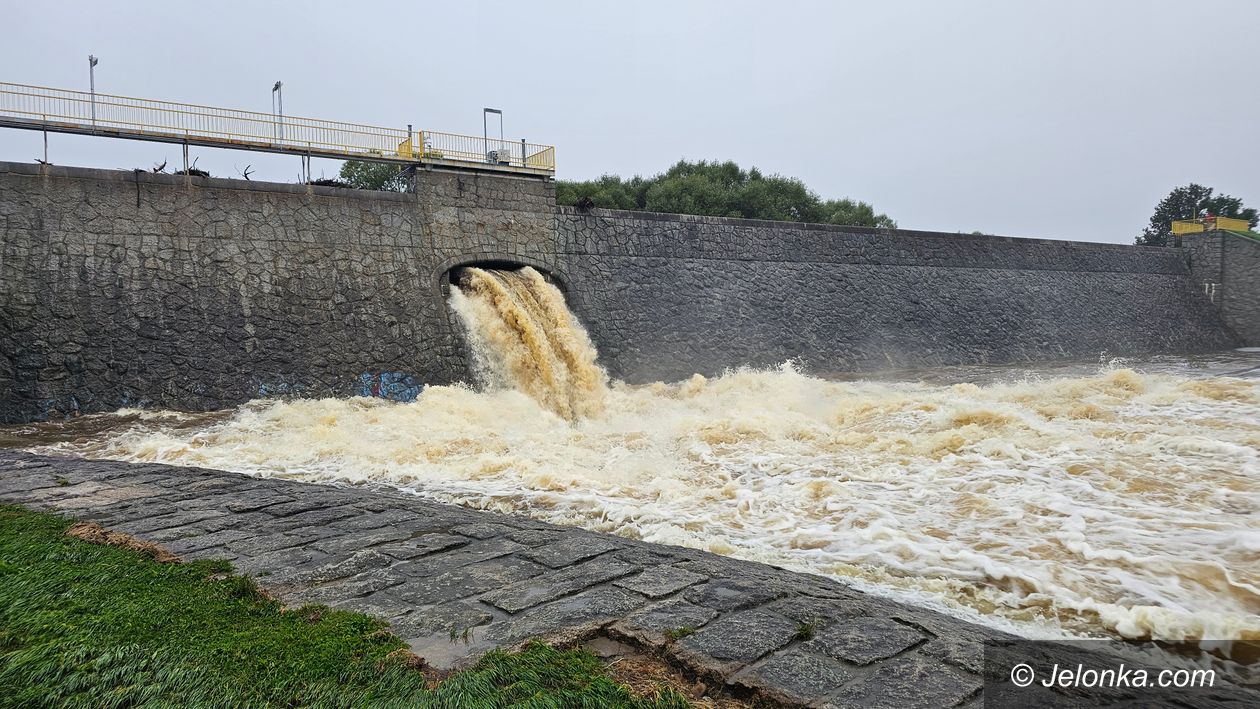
(455, 582)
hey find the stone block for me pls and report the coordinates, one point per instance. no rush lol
(465, 581)
(570, 549)
(909, 683)
(575, 615)
(794, 677)
(731, 594)
(734, 640)
(549, 586)
(660, 581)
(422, 545)
(671, 615)
(865, 640)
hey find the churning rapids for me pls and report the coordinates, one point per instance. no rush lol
(1084, 501)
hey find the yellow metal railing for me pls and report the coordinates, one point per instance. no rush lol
(1195, 226)
(478, 149)
(120, 116)
(1186, 226)
(1232, 224)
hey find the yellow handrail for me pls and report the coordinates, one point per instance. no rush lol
(1195, 226)
(37, 107)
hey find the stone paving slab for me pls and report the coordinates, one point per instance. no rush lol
(437, 572)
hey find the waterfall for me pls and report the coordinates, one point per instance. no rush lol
(524, 337)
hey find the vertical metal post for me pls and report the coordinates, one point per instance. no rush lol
(523, 153)
(45, 140)
(92, 61)
(277, 99)
(485, 130)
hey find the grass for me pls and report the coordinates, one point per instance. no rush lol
(806, 630)
(679, 633)
(85, 625)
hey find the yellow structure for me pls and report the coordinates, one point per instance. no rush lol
(66, 111)
(1195, 226)
(1232, 224)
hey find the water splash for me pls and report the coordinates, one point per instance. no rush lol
(1121, 502)
(1105, 502)
(523, 337)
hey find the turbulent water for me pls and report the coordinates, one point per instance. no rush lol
(524, 337)
(1090, 501)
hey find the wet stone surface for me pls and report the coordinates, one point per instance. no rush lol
(455, 583)
(660, 581)
(797, 676)
(865, 640)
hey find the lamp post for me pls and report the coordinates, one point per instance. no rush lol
(92, 61)
(485, 131)
(277, 102)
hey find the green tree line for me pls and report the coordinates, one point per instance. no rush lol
(720, 189)
(717, 189)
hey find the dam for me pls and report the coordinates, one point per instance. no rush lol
(1019, 436)
(138, 289)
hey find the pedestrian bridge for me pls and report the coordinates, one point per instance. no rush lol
(88, 113)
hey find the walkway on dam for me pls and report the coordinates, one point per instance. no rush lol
(455, 582)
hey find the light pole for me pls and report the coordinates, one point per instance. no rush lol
(277, 101)
(92, 61)
(485, 131)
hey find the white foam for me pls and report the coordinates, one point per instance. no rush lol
(1120, 502)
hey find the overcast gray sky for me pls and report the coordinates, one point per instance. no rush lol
(1055, 119)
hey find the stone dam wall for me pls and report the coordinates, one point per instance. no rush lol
(1226, 268)
(668, 294)
(134, 289)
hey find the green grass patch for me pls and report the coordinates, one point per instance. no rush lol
(84, 625)
(679, 633)
(806, 630)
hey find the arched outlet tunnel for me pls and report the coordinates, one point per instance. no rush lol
(456, 274)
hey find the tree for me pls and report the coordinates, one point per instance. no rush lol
(1191, 202)
(373, 176)
(847, 211)
(609, 191)
(721, 189)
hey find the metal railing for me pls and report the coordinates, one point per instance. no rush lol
(62, 110)
(1195, 226)
(471, 148)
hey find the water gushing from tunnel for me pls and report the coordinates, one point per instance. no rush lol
(523, 336)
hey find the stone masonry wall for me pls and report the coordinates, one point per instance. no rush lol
(1228, 267)
(1240, 292)
(134, 289)
(1230, 263)
(665, 296)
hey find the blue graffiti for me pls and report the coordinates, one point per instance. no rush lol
(269, 389)
(390, 385)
